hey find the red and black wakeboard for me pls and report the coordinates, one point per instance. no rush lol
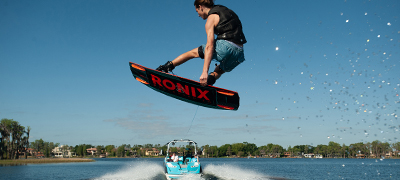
(185, 89)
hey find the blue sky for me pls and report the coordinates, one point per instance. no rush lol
(315, 71)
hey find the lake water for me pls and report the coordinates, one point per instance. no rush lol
(221, 168)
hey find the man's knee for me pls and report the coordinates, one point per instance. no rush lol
(200, 52)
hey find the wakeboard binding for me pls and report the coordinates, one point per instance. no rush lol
(167, 67)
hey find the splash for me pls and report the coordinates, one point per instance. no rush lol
(140, 171)
(232, 172)
(191, 177)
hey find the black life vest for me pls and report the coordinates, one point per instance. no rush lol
(229, 26)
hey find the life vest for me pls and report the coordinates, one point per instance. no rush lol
(229, 26)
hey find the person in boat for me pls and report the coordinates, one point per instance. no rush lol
(174, 157)
(195, 158)
(227, 48)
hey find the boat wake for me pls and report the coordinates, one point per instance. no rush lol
(140, 171)
(214, 172)
(155, 171)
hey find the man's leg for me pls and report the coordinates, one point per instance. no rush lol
(194, 53)
(170, 65)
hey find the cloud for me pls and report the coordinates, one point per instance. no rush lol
(250, 129)
(147, 127)
(145, 105)
(236, 117)
(143, 124)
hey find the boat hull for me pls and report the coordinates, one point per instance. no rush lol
(177, 176)
(175, 170)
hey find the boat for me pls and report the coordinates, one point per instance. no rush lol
(186, 164)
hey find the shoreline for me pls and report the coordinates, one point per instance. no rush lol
(14, 162)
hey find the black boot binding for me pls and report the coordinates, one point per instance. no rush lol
(211, 80)
(167, 67)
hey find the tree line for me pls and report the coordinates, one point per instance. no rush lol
(45, 148)
(124, 150)
(375, 149)
(14, 140)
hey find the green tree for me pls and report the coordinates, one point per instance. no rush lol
(5, 137)
(99, 149)
(127, 153)
(290, 150)
(385, 148)
(147, 146)
(321, 149)
(26, 141)
(343, 150)
(396, 147)
(357, 148)
(238, 147)
(206, 150)
(223, 150)
(213, 151)
(80, 150)
(368, 150)
(296, 151)
(121, 150)
(299, 148)
(375, 148)
(249, 148)
(109, 148)
(13, 139)
(333, 149)
(263, 150)
(277, 150)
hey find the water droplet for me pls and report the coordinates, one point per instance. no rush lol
(329, 137)
(389, 24)
(276, 48)
(276, 108)
(347, 21)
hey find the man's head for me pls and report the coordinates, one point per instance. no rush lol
(203, 7)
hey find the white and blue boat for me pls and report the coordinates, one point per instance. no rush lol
(187, 162)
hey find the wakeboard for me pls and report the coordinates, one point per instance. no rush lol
(185, 89)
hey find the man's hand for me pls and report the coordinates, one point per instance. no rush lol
(203, 79)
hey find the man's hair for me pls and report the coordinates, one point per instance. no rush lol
(206, 3)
